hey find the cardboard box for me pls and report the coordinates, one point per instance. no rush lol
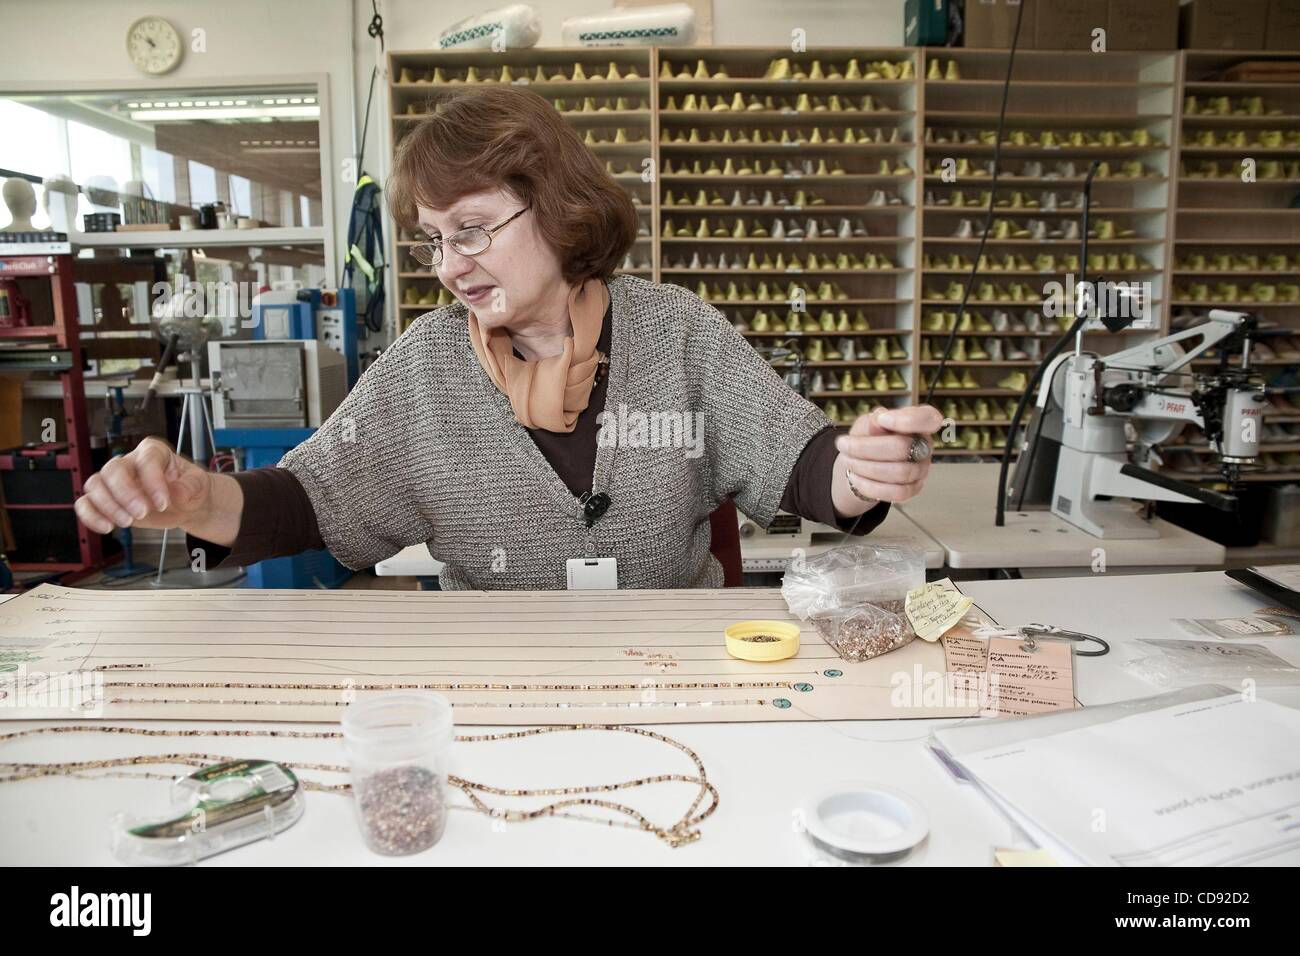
(990, 24)
(1224, 24)
(1142, 25)
(1282, 29)
(925, 22)
(1069, 24)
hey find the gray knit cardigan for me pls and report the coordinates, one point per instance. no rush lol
(426, 448)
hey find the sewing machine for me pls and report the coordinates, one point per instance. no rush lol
(1093, 408)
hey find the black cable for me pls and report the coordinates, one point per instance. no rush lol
(988, 215)
(988, 224)
(361, 154)
(365, 125)
(1081, 316)
(376, 31)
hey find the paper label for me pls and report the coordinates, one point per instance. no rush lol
(1029, 682)
(933, 610)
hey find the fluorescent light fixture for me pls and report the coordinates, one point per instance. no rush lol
(233, 112)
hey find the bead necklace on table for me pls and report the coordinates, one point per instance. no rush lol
(683, 831)
(443, 686)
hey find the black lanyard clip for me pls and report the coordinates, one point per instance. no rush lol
(594, 506)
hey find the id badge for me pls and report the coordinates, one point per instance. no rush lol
(590, 573)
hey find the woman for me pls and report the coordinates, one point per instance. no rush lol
(555, 413)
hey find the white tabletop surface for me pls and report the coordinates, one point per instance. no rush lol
(762, 771)
(958, 505)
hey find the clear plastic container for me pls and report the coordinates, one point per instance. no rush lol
(212, 810)
(398, 746)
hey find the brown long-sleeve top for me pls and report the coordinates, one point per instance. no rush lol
(278, 519)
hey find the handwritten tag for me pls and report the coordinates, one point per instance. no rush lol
(1029, 682)
(933, 610)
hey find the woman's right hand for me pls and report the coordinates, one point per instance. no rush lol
(151, 487)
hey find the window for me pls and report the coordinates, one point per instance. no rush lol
(256, 150)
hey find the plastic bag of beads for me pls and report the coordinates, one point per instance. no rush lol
(855, 597)
(866, 630)
(844, 577)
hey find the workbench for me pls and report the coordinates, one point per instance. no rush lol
(762, 770)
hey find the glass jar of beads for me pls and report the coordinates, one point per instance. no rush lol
(398, 745)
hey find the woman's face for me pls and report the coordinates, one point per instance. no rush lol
(511, 278)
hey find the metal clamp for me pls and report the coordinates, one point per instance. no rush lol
(1031, 632)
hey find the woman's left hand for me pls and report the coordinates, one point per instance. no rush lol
(886, 456)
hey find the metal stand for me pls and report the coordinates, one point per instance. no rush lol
(197, 421)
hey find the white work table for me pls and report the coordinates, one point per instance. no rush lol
(762, 771)
(958, 505)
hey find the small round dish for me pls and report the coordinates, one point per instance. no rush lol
(762, 641)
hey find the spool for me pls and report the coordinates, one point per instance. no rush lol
(865, 823)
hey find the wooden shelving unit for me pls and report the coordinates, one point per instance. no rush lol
(1237, 235)
(605, 94)
(1064, 110)
(49, 280)
(806, 180)
(749, 149)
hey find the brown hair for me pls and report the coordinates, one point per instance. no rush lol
(502, 137)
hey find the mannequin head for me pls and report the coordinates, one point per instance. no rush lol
(20, 197)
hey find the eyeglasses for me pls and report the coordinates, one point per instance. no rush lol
(468, 242)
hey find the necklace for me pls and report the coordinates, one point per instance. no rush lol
(683, 831)
(355, 685)
(748, 702)
(458, 686)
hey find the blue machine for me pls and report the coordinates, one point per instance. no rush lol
(328, 316)
(264, 447)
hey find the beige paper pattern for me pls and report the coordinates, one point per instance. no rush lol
(543, 657)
